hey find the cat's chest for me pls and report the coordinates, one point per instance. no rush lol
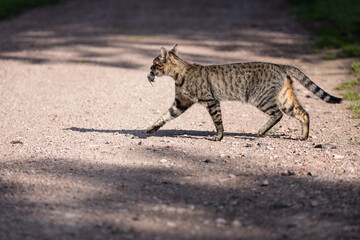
(187, 93)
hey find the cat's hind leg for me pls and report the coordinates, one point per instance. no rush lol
(290, 106)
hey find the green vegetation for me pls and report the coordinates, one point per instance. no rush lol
(352, 93)
(355, 142)
(337, 22)
(355, 107)
(355, 67)
(351, 96)
(349, 85)
(9, 8)
(272, 131)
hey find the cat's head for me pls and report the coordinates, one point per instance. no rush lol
(163, 64)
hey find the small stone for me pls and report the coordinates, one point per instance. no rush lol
(220, 221)
(325, 146)
(139, 143)
(322, 146)
(269, 148)
(309, 174)
(207, 161)
(288, 173)
(262, 144)
(163, 160)
(349, 169)
(206, 222)
(171, 224)
(69, 215)
(236, 223)
(314, 203)
(16, 142)
(264, 183)
(337, 156)
(249, 145)
(280, 205)
(232, 176)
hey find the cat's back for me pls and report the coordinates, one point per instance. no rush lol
(236, 81)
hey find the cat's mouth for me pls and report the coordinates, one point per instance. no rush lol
(151, 77)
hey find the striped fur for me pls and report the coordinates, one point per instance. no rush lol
(267, 86)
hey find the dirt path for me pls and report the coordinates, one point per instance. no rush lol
(75, 162)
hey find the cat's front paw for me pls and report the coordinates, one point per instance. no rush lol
(152, 129)
(217, 138)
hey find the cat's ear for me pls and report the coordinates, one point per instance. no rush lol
(175, 49)
(163, 53)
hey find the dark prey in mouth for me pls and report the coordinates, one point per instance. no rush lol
(151, 78)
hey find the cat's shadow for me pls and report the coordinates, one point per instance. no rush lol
(175, 133)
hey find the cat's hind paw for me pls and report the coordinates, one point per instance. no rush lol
(152, 129)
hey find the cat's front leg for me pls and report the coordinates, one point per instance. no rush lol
(176, 109)
(215, 112)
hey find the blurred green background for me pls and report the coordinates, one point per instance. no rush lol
(336, 22)
(9, 8)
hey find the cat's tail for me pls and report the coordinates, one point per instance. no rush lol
(304, 80)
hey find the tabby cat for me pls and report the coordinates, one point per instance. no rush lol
(267, 86)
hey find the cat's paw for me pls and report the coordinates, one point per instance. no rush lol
(152, 129)
(302, 138)
(217, 138)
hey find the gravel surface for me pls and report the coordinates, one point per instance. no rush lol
(75, 162)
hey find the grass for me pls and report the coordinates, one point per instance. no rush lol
(10, 8)
(355, 108)
(336, 22)
(349, 85)
(355, 142)
(352, 93)
(272, 131)
(355, 67)
(351, 96)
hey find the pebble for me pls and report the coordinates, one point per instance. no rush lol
(220, 221)
(69, 215)
(264, 183)
(337, 156)
(280, 205)
(249, 145)
(163, 160)
(232, 176)
(171, 224)
(236, 223)
(314, 203)
(288, 173)
(262, 144)
(325, 146)
(207, 161)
